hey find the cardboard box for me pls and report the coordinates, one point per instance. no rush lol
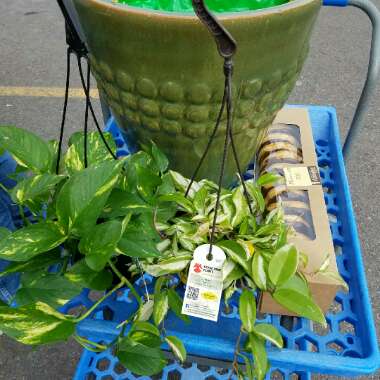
(301, 174)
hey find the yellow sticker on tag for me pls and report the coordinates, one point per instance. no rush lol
(210, 296)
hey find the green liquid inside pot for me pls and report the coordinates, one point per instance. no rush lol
(214, 5)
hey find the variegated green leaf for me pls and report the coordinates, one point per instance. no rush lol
(96, 151)
(241, 207)
(177, 347)
(83, 276)
(30, 241)
(30, 188)
(140, 359)
(269, 332)
(236, 252)
(34, 264)
(231, 272)
(35, 324)
(145, 333)
(137, 248)
(175, 304)
(256, 194)
(4, 232)
(145, 311)
(200, 200)
(181, 183)
(295, 296)
(83, 196)
(268, 178)
(100, 243)
(27, 149)
(147, 182)
(180, 199)
(121, 203)
(51, 289)
(260, 356)
(283, 265)
(161, 306)
(259, 271)
(168, 266)
(247, 310)
(160, 159)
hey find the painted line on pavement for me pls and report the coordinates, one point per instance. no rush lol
(45, 92)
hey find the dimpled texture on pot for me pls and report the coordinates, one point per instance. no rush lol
(162, 76)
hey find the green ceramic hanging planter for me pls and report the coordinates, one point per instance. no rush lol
(161, 74)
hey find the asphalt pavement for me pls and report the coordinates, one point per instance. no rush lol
(32, 54)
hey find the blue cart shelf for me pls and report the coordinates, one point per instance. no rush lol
(348, 347)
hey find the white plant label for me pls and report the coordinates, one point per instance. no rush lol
(204, 284)
(301, 176)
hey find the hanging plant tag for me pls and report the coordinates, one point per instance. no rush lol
(204, 284)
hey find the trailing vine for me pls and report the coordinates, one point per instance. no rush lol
(101, 226)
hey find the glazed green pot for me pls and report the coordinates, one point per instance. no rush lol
(161, 75)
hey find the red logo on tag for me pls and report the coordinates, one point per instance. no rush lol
(197, 268)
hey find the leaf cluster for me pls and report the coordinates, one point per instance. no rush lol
(101, 225)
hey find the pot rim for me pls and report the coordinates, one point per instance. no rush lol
(110, 6)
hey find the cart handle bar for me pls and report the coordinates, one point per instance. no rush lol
(373, 67)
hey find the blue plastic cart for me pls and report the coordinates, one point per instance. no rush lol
(347, 347)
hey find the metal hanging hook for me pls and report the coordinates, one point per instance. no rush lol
(224, 41)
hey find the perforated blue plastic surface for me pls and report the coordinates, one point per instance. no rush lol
(347, 347)
(94, 366)
(10, 219)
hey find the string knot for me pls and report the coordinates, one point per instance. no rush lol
(228, 67)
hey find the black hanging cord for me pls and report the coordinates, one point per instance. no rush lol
(86, 89)
(211, 139)
(72, 37)
(77, 46)
(87, 93)
(228, 67)
(64, 109)
(85, 150)
(226, 46)
(234, 152)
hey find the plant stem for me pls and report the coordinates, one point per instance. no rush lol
(123, 326)
(126, 282)
(130, 319)
(237, 349)
(122, 332)
(95, 305)
(85, 341)
(4, 188)
(64, 265)
(87, 347)
(23, 217)
(143, 279)
(154, 224)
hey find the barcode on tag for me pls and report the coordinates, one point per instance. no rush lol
(192, 293)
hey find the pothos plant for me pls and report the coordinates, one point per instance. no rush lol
(103, 225)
